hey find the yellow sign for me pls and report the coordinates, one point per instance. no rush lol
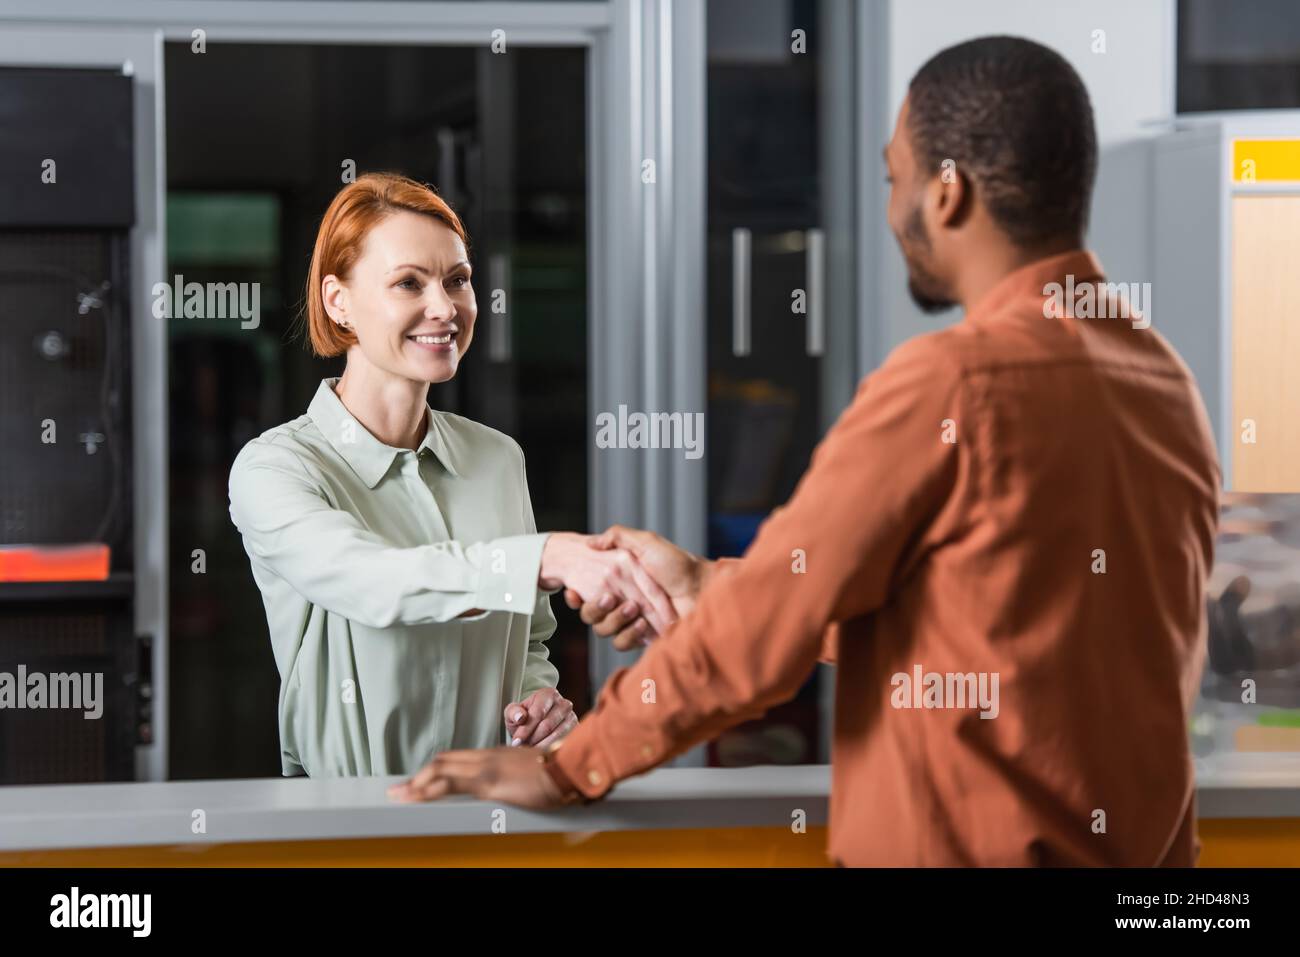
(1265, 161)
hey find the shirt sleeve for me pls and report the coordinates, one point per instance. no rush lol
(830, 649)
(329, 558)
(883, 473)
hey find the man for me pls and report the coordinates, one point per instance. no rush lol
(1007, 535)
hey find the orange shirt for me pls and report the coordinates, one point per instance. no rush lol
(1006, 536)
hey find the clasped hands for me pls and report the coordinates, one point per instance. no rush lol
(626, 583)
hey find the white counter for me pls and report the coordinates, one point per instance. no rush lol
(1237, 784)
(286, 809)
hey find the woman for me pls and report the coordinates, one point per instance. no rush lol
(406, 588)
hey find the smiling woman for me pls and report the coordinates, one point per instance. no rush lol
(405, 585)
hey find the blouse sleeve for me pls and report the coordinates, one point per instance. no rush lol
(330, 559)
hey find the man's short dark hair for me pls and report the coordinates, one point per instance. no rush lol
(1016, 119)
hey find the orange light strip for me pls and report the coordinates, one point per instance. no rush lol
(54, 563)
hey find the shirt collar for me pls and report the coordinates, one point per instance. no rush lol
(367, 456)
(1029, 281)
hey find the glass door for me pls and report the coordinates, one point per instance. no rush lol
(259, 139)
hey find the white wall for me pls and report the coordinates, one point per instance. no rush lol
(1131, 86)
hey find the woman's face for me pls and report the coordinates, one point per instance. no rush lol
(409, 298)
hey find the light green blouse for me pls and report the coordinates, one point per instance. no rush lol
(365, 555)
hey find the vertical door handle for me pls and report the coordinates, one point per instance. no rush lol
(447, 172)
(741, 248)
(815, 265)
(499, 345)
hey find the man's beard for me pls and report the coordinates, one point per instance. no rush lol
(928, 304)
(925, 288)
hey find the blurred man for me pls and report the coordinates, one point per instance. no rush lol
(1007, 534)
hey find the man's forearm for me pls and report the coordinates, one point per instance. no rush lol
(706, 572)
(710, 570)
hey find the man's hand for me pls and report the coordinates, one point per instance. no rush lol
(679, 573)
(604, 575)
(510, 775)
(540, 720)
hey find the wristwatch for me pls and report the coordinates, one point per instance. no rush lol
(571, 795)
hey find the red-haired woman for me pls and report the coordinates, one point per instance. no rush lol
(406, 587)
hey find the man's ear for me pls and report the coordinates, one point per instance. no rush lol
(954, 195)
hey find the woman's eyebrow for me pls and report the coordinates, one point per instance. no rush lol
(418, 268)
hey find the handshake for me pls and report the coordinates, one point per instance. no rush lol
(627, 583)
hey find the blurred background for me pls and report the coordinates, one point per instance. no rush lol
(683, 202)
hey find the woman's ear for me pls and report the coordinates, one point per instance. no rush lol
(334, 296)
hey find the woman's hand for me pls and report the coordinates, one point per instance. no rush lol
(606, 577)
(541, 719)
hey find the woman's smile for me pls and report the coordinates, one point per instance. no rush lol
(442, 343)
